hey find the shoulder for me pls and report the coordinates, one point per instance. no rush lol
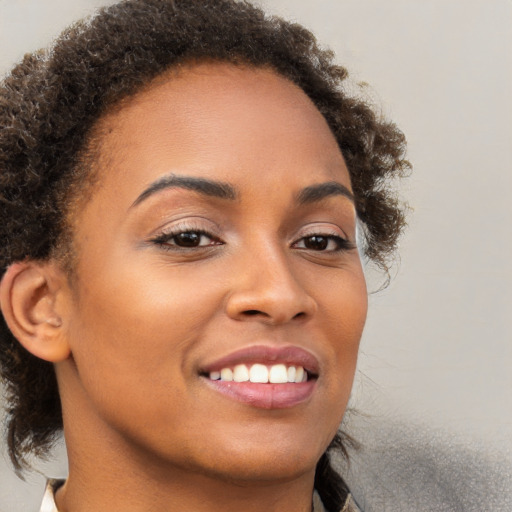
(404, 466)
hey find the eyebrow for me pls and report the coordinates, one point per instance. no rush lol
(204, 186)
(315, 193)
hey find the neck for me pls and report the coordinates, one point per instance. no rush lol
(199, 495)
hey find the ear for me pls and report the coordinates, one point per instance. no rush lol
(31, 300)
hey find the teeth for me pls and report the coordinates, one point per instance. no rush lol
(261, 374)
(278, 374)
(258, 373)
(240, 373)
(226, 374)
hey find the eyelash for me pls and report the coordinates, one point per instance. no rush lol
(341, 244)
(164, 240)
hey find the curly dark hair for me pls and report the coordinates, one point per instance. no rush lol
(52, 100)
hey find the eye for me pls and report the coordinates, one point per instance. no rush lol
(323, 243)
(186, 239)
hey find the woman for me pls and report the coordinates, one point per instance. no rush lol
(182, 289)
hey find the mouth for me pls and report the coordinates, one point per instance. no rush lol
(265, 377)
(262, 374)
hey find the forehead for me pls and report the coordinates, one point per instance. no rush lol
(219, 117)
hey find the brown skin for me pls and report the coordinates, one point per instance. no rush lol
(131, 334)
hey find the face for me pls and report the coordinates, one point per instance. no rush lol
(218, 246)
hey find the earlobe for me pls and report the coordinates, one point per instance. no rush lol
(29, 300)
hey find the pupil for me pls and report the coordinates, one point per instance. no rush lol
(318, 243)
(188, 239)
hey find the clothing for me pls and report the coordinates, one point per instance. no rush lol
(48, 504)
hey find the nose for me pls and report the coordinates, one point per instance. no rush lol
(266, 289)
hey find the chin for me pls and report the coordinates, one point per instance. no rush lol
(266, 462)
(266, 469)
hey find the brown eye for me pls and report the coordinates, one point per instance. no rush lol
(188, 239)
(316, 243)
(323, 243)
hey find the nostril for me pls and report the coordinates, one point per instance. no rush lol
(256, 312)
(252, 312)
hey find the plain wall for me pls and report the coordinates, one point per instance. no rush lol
(438, 343)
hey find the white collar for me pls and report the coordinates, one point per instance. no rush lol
(48, 504)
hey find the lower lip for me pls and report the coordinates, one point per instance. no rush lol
(265, 396)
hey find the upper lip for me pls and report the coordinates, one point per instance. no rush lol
(269, 355)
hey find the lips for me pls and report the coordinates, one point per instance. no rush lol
(264, 377)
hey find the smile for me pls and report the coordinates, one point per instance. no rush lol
(261, 374)
(265, 377)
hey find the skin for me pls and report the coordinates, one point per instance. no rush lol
(140, 318)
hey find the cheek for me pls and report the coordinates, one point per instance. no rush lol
(135, 328)
(133, 342)
(346, 306)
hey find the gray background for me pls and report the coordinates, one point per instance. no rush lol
(437, 350)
